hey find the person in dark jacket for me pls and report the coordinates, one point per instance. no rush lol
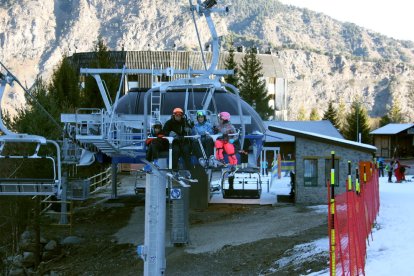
(381, 167)
(292, 183)
(179, 127)
(156, 143)
(389, 168)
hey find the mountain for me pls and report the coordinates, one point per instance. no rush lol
(323, 59)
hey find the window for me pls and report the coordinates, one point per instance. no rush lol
(310, 175)
(328, 166)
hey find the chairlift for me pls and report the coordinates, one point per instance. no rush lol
(31, 186)
(27, 186)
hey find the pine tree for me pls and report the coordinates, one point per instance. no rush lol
(64, 86)
(91, 96)
(252, 85)
(231, 64)
(331, 114)
(357, 122)
(395, 114)
(385, 120)
(341, 118)
(32, 119)
(314, 115)
(301, 114)
(7, 119)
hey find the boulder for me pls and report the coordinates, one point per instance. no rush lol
(16, 271)
(71, 240)
(51, 246)
(28, 259)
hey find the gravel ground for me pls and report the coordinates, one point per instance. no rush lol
(224, 240)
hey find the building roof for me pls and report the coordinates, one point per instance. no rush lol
(323, 138)
(179, 60)
(391, 129)
(323, 127)
(271, 66)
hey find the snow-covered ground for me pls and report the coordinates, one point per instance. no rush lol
(389, 251)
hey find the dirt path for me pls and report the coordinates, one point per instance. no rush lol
(216, 227)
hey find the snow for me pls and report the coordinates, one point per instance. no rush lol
(389, 249)
(391, 129)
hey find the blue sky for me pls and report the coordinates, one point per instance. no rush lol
(392, 18)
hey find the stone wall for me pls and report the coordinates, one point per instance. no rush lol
(306, 148)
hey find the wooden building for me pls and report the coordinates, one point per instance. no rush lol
(394, 140)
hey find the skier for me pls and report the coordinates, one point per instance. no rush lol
(225, 143)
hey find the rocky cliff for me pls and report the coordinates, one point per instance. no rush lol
(323, 59)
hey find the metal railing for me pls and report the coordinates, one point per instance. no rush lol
(100, 180)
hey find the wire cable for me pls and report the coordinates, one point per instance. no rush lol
(27, 91)
(198, 35)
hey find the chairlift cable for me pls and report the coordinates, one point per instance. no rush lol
(198, 35)
(27, 91)
(203, 100)
(192, 96)
(18, 168)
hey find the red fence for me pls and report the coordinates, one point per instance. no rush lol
(353, 214)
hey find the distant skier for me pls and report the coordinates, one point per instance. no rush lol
(381, 167)
(389, 168)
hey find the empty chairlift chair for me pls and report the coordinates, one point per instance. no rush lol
(242, 183)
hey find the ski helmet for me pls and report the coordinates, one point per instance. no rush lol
(201, 113)
(178, 111)
(224, 116)
(157, 124)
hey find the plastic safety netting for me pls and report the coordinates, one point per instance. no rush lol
(354, 216)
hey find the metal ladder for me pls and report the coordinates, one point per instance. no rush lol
(155, 105)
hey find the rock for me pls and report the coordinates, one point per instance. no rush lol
(71, 240)
(16, 271)
(51, 246)
(43, 240)
(28, 259)
(51, 251)
(16, 261)
(49, 255)
(58, 27)
(30, 272)
(27, 235)
(27, 245)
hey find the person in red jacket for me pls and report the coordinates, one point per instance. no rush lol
(399, 171)
(155, 143)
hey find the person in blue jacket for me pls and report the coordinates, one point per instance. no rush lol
(203, 128)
